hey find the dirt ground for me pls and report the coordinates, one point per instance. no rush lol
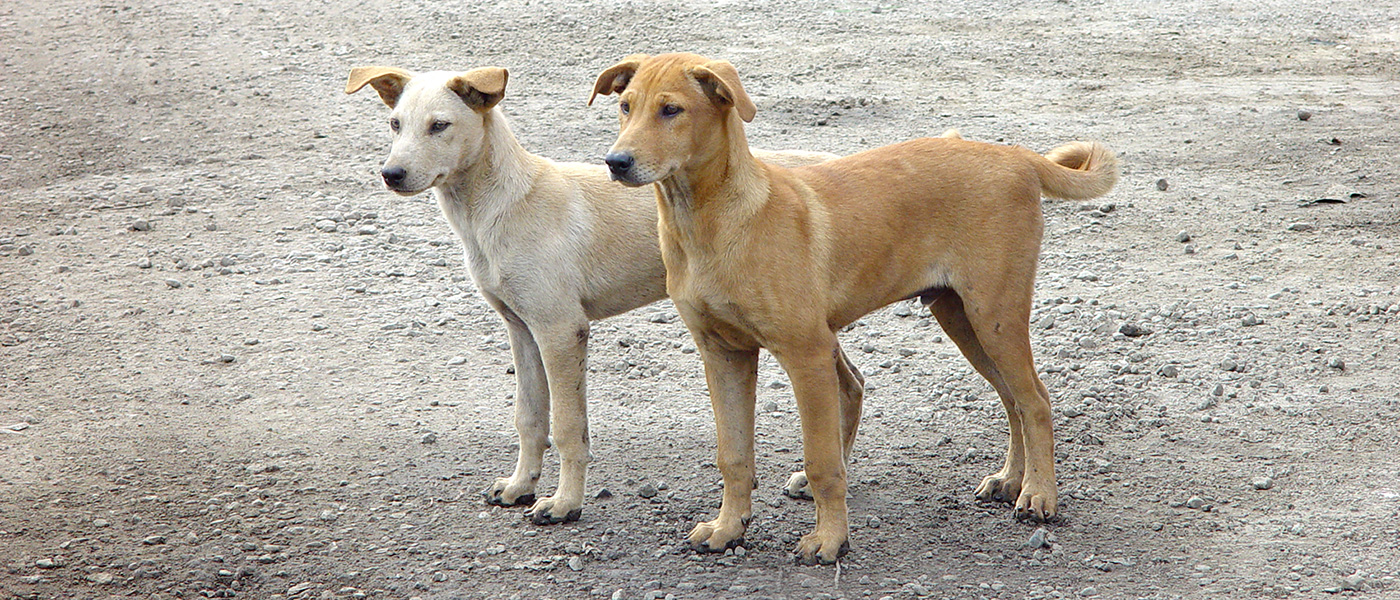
(203, 394)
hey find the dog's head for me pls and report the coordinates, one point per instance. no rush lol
(438, 120)
(676, 110)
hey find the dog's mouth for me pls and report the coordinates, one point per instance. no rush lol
(403, 189)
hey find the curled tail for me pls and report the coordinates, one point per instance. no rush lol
(1078, 171)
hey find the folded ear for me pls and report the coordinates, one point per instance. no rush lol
(388, 81)
(615, 78)
(480, 88)
(720, 81)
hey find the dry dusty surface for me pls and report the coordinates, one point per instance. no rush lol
(204, 394)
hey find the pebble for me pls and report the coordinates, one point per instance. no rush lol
(603, 494)
(153, 540)
(1300, 226)
(139, 225)
(917, 588)
(575, 563)
(1304, 115)
(1037, 539)
(326, 225)
(1251, 320)
(429, 438)
(174, 284)
(367, 230)
(46, 563)
(1086, 276)
(1195, 502)
(770, 406)
(1071, 412)
(1134, 330)
(1354, 582)
(873, 522)
(456, 360)
(1337, 363)
(143, 263)
(1263, 483)
(99, 578)
(1183, 237)
(1089, 592)
(1162, 184)
(1170, 371)
(647, 491)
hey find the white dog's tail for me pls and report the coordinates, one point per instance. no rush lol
(1078, 171)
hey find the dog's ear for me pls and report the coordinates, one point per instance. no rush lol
(721, 83)
(388, 81)
(615, 78)
(480, 88)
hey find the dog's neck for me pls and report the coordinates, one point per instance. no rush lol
(500, 174)
(729, 183)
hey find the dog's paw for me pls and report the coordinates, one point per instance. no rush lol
(1038, 503)
(552, 510)
(717, 535)
(506, 492)
(797, 486)
(822, 547)
(1000, 487)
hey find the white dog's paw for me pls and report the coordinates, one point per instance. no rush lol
(797, 486)
(508, 492)
(551, 510)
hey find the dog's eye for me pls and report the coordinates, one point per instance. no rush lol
(624, 107)
(438, 126)
(670, 110)
(394, 125)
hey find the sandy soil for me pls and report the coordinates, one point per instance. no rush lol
(202, 394)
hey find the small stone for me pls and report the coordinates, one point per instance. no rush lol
(101, 523)
(1134, 330)
(227, 358)
(1089, 592)
(1337, 363)
(99, 578)
(1038, 538)
(917, 588)
(153, 540)
(1251, 320)
(429, 438)
(647, 491)
(740, 551)
(367, 230)
(456, 360)
(575, 563)
(227, 261)
(1301, 226)
(211, 226)
(1169, 371)
(873, 522)
(770, 406)
(143, 263)
(1354, 582)
(139, 225)
(174, 284)
(1184, 236)
(47, 563)
(603, 494)
(326, 225)
(1162, 184)
(1071, 412)
(1263, 483)
(327, 515)
(1219, 390)
(1086, 276)
(1229, 365)
(1195, 502)
(1304, 115)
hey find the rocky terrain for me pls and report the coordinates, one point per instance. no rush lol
(233, 366)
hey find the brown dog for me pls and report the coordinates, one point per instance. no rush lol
(759, 256)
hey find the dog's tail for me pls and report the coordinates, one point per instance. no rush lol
(1078, 171)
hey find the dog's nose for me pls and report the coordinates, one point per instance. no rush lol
(618, 162)
(394, 176)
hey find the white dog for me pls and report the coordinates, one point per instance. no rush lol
(550, 245)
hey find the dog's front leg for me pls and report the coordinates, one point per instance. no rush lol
(564, 348)
(812, 366)
(852, 398)
(531, 419)
(732, 377)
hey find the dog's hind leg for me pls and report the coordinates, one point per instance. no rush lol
(852, 398)
(1004, 485)
(1001, 320)
(531, 418)
(564, 349)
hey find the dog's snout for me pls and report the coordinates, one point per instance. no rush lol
(394, 176)
(619, 163)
